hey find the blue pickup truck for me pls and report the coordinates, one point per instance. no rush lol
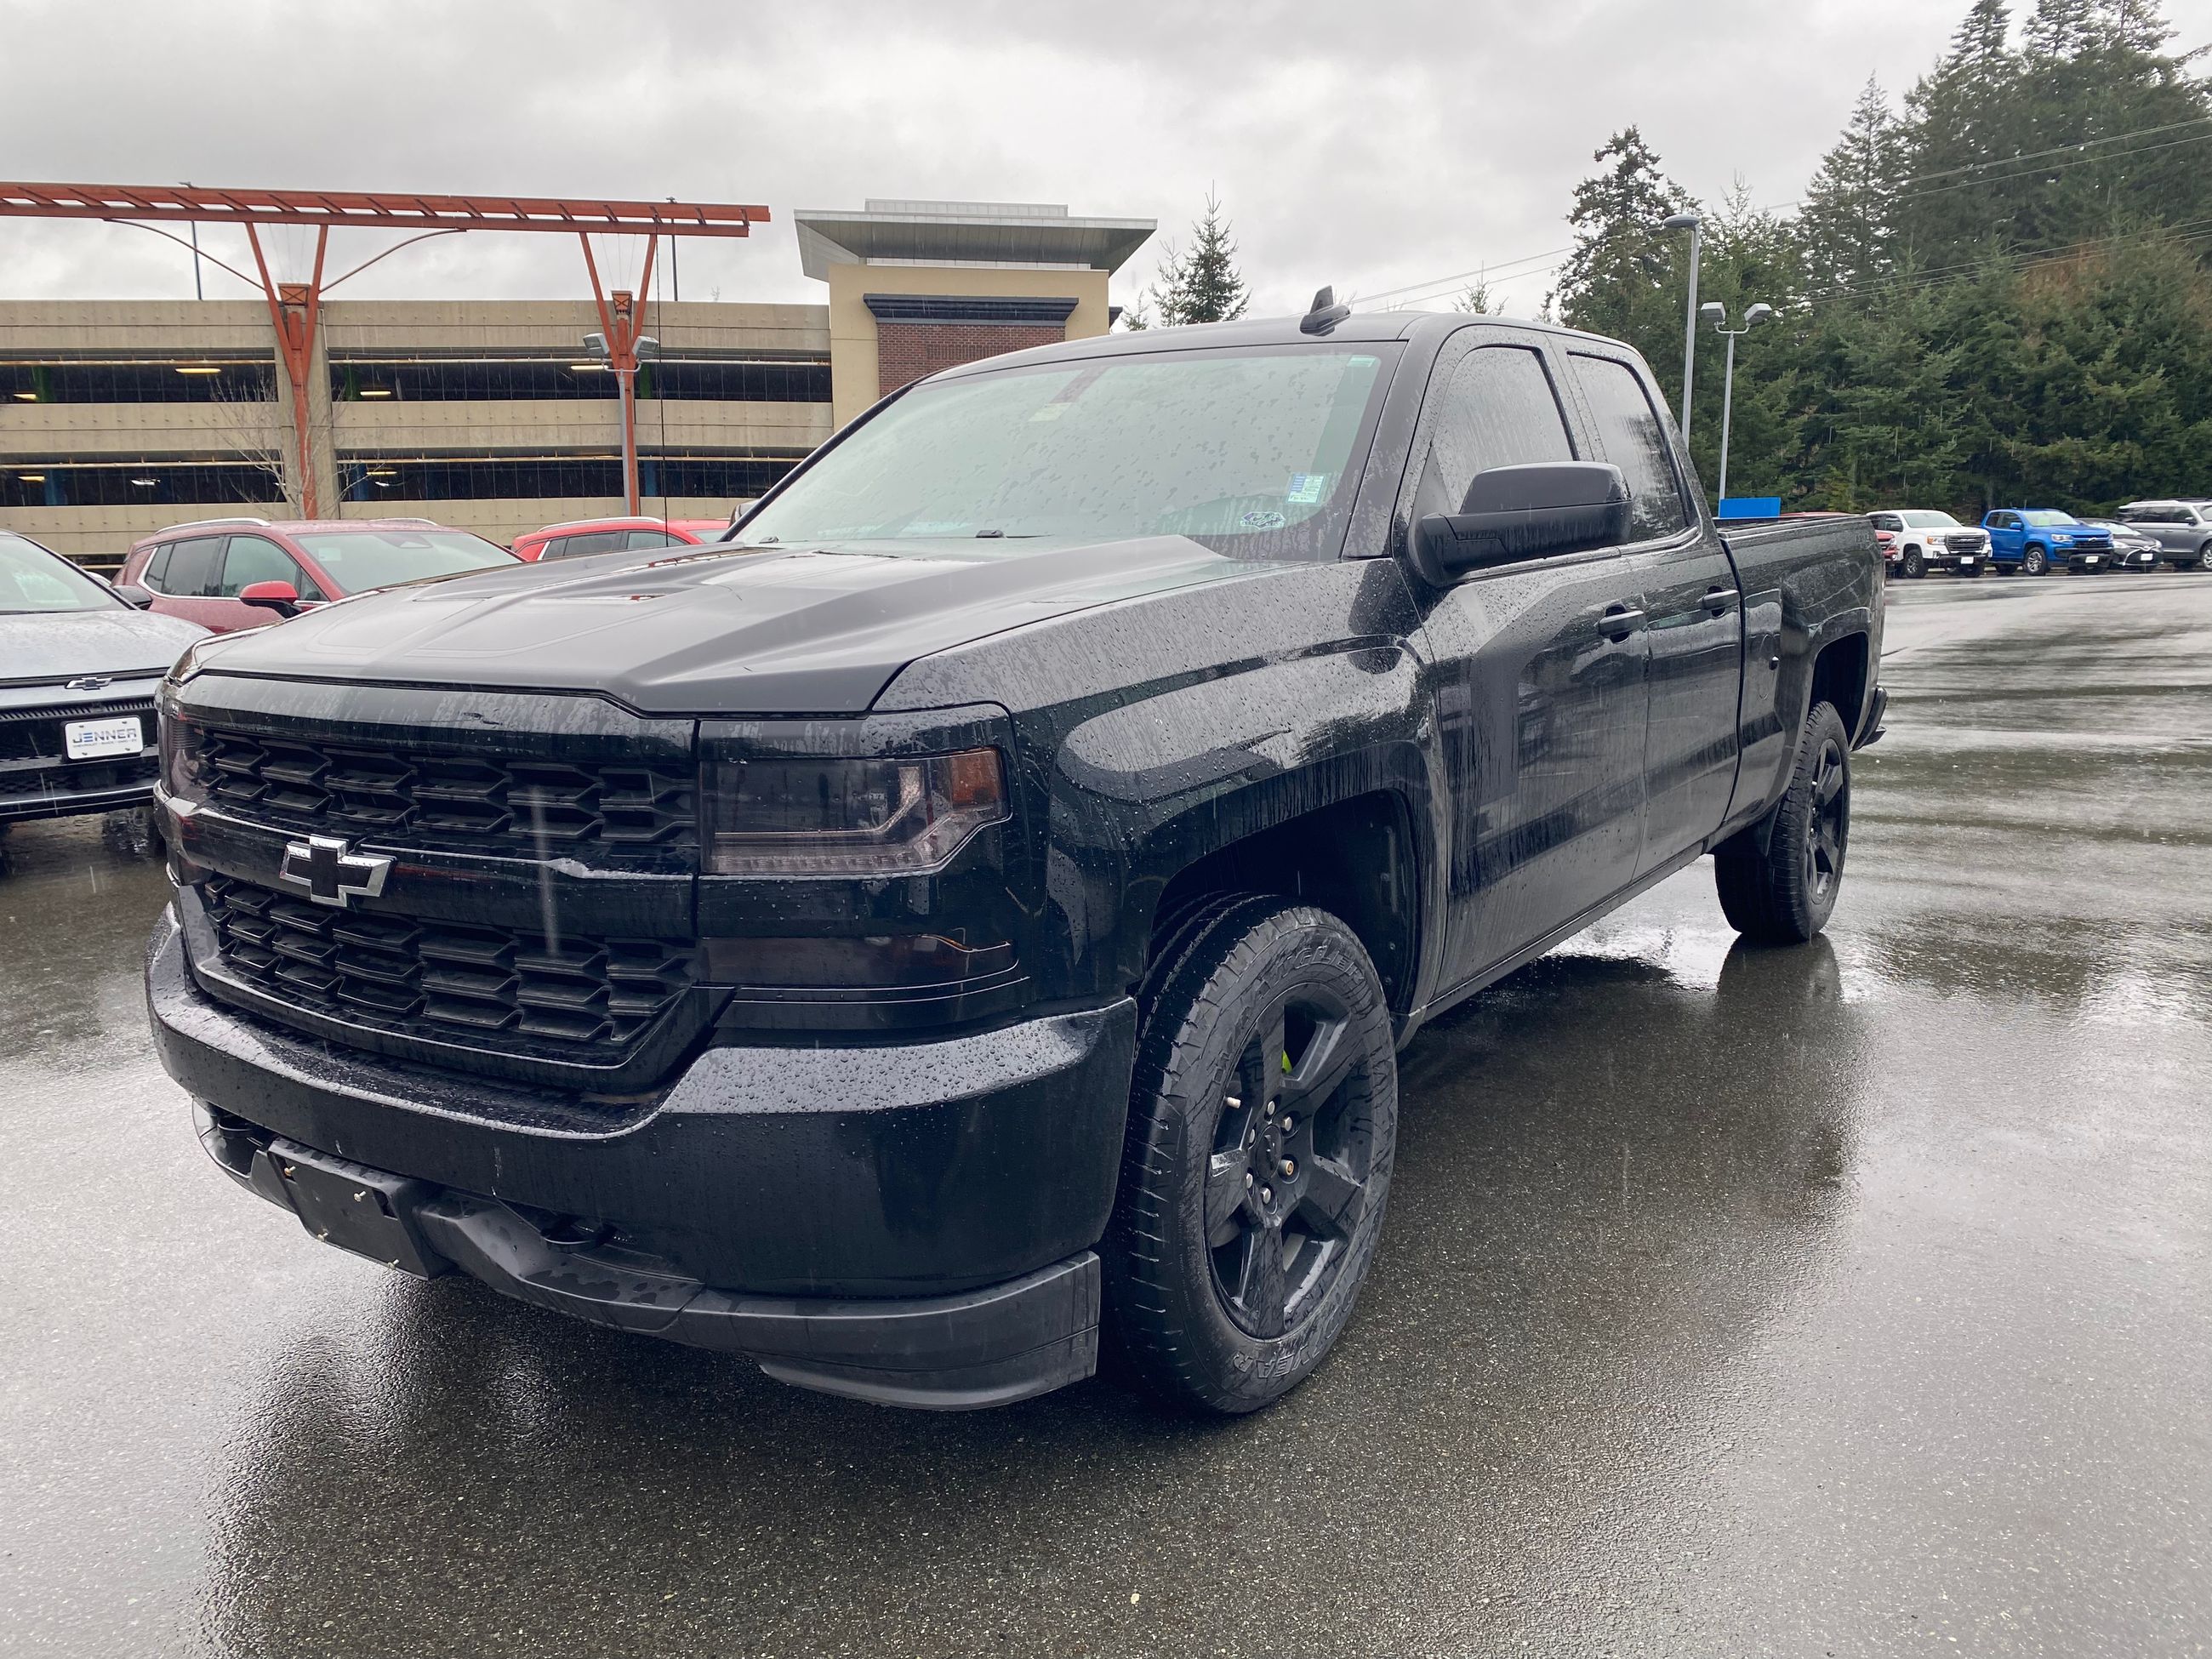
(2033, 540)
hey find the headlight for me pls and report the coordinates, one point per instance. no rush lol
(2061, 538)
(891, 817)
(182, 775)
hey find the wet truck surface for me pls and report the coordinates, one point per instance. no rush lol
(981, 901)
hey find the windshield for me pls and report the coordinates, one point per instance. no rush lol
(2048, 518)
(33, 579)
(1928, 521)
(357, 559)
(1249, 450)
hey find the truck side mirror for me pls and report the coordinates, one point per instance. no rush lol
(1515, 512)
(281, 597)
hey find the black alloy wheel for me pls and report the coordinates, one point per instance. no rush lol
(1263, 1116)
(2034, 562)
(1914, 566)
(1778, 880)
(1829, 822)
(1286, 1184)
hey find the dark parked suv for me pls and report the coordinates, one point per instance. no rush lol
(997, 882)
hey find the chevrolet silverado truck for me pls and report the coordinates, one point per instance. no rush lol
(981, 899)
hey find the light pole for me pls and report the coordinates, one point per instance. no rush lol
(622, 351)
(1752, 319)
(1691, 222)
(197, 292)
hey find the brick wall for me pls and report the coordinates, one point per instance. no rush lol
(907, 351)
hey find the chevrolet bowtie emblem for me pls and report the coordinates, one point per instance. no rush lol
(331, 872)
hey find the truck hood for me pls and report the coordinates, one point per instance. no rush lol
(722, 629)
(47, 647)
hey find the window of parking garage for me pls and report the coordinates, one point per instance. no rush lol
(526, 479)
(770, 380)
(135, 482)
(169, 380)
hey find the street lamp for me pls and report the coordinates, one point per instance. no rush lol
(1718, 313)
(1691, 222)
(622, 353)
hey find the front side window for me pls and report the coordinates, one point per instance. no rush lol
(1251, 452)
(257, 559)
(642, 539)
(358, 560)
(33, 579)
(1498, 410)
(1887, 521)
(1635, 441)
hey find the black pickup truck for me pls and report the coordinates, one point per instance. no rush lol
(981, 899)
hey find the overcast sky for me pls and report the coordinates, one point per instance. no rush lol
(1372, 145)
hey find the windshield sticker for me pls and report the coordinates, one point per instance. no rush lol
(1305, 489)
(1262, 521)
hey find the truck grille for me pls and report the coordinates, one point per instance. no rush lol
(492, 987)
(453, 802)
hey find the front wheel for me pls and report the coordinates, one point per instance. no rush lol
(1263, 1117)
(2033, 563)
(1785, 894)
(1914, 566)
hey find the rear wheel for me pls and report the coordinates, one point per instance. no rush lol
(1262, 1123)
(1785, 894)
(2034, 562)
(2204, 556)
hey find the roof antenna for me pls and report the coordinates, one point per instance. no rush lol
(1323, 314)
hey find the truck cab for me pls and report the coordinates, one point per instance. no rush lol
(2032, 541)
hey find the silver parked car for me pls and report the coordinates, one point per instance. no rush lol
(2182, 526)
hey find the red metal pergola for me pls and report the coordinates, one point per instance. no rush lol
(295, 307)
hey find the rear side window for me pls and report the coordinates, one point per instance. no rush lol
(1635, 441)
(596, 541)
(2154, 515)
(151, 576)
(1499, 409)
(193, 569)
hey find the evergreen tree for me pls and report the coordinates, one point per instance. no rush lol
(1202, 286)
(1621, 257)
(1847, 227)
(1477, 298)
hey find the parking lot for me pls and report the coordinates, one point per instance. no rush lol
(1852, 1298)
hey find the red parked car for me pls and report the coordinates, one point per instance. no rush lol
(202, 571)
(570, 541)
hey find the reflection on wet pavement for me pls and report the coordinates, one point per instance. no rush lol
(1852, 1298)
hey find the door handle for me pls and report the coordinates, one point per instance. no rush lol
(1718, 600)
(1618, 623)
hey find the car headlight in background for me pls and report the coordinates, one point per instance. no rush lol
(848, 817)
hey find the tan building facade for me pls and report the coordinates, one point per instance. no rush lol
(119, 418)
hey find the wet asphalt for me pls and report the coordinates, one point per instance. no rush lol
(1852, 1299)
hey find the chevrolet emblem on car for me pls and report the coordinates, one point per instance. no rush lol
(332, 872)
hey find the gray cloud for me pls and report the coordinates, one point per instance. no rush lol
(1368, 146)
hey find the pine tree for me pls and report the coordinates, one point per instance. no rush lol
(1202, 286)
(1847, 227)
(1617, 261)
(1476, 297)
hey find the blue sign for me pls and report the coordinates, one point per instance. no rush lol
(1751, 506)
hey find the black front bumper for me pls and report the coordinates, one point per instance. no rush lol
(65, 789)
(910, 1223)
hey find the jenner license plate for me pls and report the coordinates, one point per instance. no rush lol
(101, 739)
